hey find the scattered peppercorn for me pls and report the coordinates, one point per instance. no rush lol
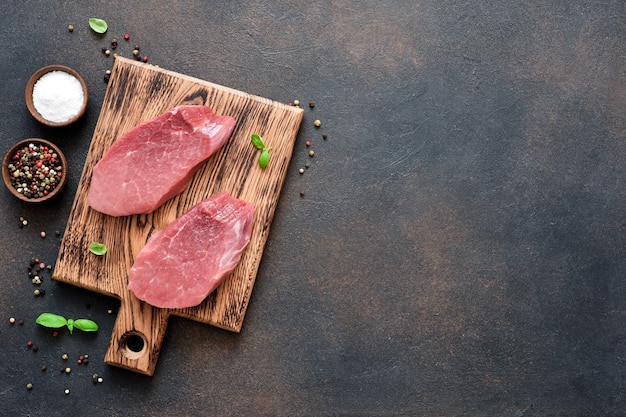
(307, 165)
(113, 43)
(21, 322)
(44, 368)
(311, 154)
(37, 293)
(317, 123)
(107, 52)
(35, 348)
(67, 391)
(64, 356)
(301, 171)
(55, 333)
(311, 104)
(301, 193)
(324, 136)
(12, 320)
(70, 28)
(68, 370)
(42, 234)
(29, 343)
(94, 378)
(307, 143)
(126, 37)
(135, 52)
(296, 103)
(29, 386)
(145, 58)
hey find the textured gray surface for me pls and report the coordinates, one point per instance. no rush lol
(460, 247)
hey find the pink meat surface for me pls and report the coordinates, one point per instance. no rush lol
(183, 263)
(156, 160)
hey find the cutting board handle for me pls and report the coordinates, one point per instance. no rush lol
(137, 336)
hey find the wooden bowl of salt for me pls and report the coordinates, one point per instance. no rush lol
(56, 95)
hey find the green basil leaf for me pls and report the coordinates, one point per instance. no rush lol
(86, 325)
(53, 321)
(70, 325)
(257, 141)
(98, 25)
(97, 248)
(264, 159)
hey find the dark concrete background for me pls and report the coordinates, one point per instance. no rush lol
(460, 247)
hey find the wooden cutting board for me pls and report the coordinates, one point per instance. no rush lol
(138, 92)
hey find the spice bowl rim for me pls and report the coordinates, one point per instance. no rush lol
(30, 85)
(6, 176)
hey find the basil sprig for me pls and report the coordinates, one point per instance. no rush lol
(98, 25)
(264, 158)
(55, 321)
(97, 248)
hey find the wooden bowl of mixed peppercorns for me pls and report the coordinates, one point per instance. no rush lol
(34, 170)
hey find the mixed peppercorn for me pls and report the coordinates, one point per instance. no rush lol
(35, 170)
(114, 44)
(317, 124)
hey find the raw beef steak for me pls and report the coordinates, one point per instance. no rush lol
(183, 263)
(156, 160)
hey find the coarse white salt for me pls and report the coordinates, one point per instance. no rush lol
(58, 96)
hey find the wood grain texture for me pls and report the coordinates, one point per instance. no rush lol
(136, 93)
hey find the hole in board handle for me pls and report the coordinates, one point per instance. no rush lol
(133, 345)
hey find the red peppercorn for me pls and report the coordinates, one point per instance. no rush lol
(29, 343)
(308, 143)
(145, 58)
(79, 361)
(126, 36)
(55, 333)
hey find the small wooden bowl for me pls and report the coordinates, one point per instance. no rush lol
(28, 95)
(7, 176)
